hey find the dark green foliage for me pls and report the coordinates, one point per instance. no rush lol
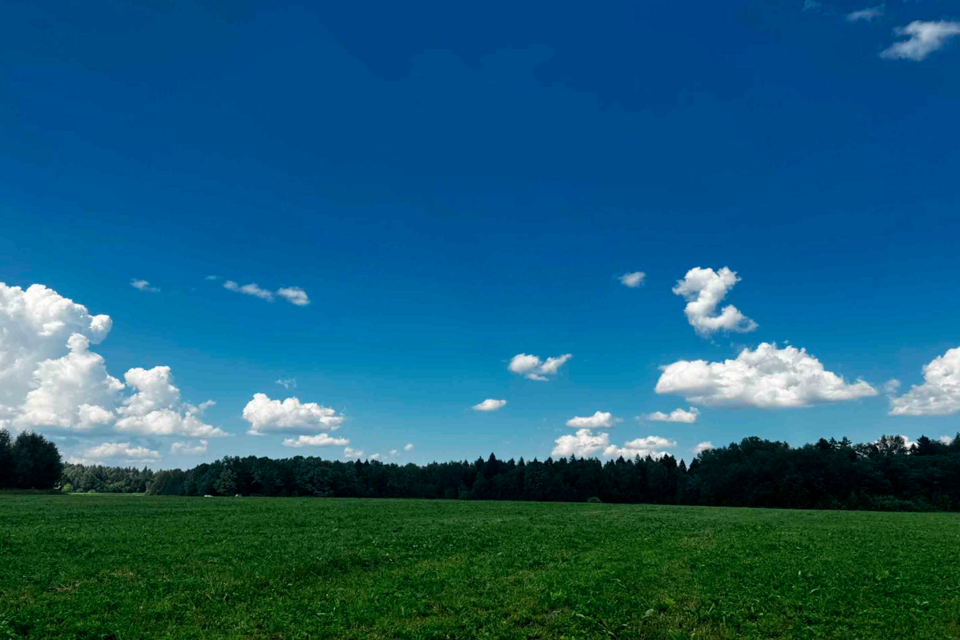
(830, 474)
(6, 460)
(31, 462)
(84, 478)
(114, 566)
(594, 500)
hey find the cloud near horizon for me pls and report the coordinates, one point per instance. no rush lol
(291, 415)
(50, 378)
(766, 378)
(939, 395)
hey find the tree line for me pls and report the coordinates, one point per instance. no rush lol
(829, 474)
(28, 462)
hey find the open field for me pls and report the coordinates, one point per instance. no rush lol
(128, 567)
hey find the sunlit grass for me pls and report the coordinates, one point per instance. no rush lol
(139, 567)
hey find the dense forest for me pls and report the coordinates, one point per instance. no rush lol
(829, 474)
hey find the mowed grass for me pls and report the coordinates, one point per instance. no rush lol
(130, 567)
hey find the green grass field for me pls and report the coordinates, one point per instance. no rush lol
(130, 567)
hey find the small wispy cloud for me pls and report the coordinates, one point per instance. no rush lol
(211, 278)
(923, 38)
(287, 383)
(677, 415)
(633, 279)
(293, 295)
(143, 285)
(812, 5)
(866, 15)
(249, 289)
(533, 368)
(490, 404)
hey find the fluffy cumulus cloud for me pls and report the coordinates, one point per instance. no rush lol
(922, 39)
(490, 405)
(704, 289)
(586, 444)
(156, 409)
(633, 279)
(768, 377)
(143, 285)
(677, 415)
(939, 395)
(188, 449)
(291, 415)
(865, 15)
(653, 446)
(582, 445)
(293, 295)
(352, 454)
(319, 440)
(599, 420)
(703, 446)
(115, 452)
(408, 447)
(50, 377)
(533, 368)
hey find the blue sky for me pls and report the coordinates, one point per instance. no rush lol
(453, 186)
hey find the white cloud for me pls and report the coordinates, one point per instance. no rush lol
(265, 414)
(946, 439)
(143, 285)
(532, 368)
(923, 38)
(393, 452)
(288, 383)
(633, 279)
(768, 378)
(582, 445)
(211, 278)
(49, 377)
(599, 420)
(70, 392)
(677, 415)
(866, 15)
(156, 409)
(123, 450)
(812, 5)
(375, 456)
(939, 395)
(319, 440)
(352, 454)
(187, 449)
(703, 446)
(408, 446)
(489, 405)
(703, 289)
(891, 387)
(294, 295)
(249, 289)
(652, 446)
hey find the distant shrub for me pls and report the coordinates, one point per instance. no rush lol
(594, 500)
(67, 488)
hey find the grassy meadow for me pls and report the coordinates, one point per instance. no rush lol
(130, 567)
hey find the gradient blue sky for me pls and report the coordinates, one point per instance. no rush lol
(453, 185)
